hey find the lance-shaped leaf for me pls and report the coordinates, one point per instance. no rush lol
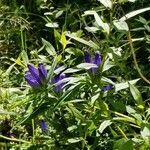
(136, 95)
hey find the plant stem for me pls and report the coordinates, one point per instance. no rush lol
(134, 59)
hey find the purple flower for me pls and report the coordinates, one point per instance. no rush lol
(97, 60)
(36, 76)
(44, 126)
(57, 80)
(107, 88)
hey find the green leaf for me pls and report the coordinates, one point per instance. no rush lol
(121, 25)
(19, 62)
(24, 57)
(59, 13)
(106, 3)
(57, 36)
(74, 51)
(136, 95)
(125, 85)
(134, 13)
(98, 20)
(133, 113)
(74, 140)
(51, 71)
(86, 66)
(104, 79)
(123, 144)
(52, 25)
(75, 112)
(81, 40)
(63, 40)
(146, 132)
(4, 112)
(92, 29)
(37, 111)
(49, 48)
(72, 128)
(104, 125)
(107, 65)
(9, 69)
(71, 70)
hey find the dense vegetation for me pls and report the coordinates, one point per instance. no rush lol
(75, 74)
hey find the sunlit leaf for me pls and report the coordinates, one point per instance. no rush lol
(146, 132)
(92, 29)
(104, 125)
(86, 66)
(52, 25)
(121, 25)
(59, 13)
(122, 144)
(74, 140)
(81, 40)
(134, 13)
(49, 48)
(136, 95)
(98, 20)
(76, 112)
(106, 3)
(124, 85)
(63, 40)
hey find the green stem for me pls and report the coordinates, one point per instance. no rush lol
(14, 139)
(134, 59)
(33, 138)
(121, 131)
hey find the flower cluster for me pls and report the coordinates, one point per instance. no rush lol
(57, 79)
(97, 60)
(44, 126)
(37, 77)
(107, 88)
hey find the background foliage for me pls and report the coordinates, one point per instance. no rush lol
(82, 115)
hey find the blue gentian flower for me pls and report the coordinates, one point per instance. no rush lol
(59, 86)
(107, 88)
(44, 126)
(97, 60)
(36, 76)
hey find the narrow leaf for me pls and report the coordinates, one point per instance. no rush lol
(86, 66)
(63, 40)
(134, 13)
(81, 40)
(52, 25)
(104, 125)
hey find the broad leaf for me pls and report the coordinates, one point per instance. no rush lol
(98, 20)
(121, 25)
(136, 95)
(124, 85)
(49, 48)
